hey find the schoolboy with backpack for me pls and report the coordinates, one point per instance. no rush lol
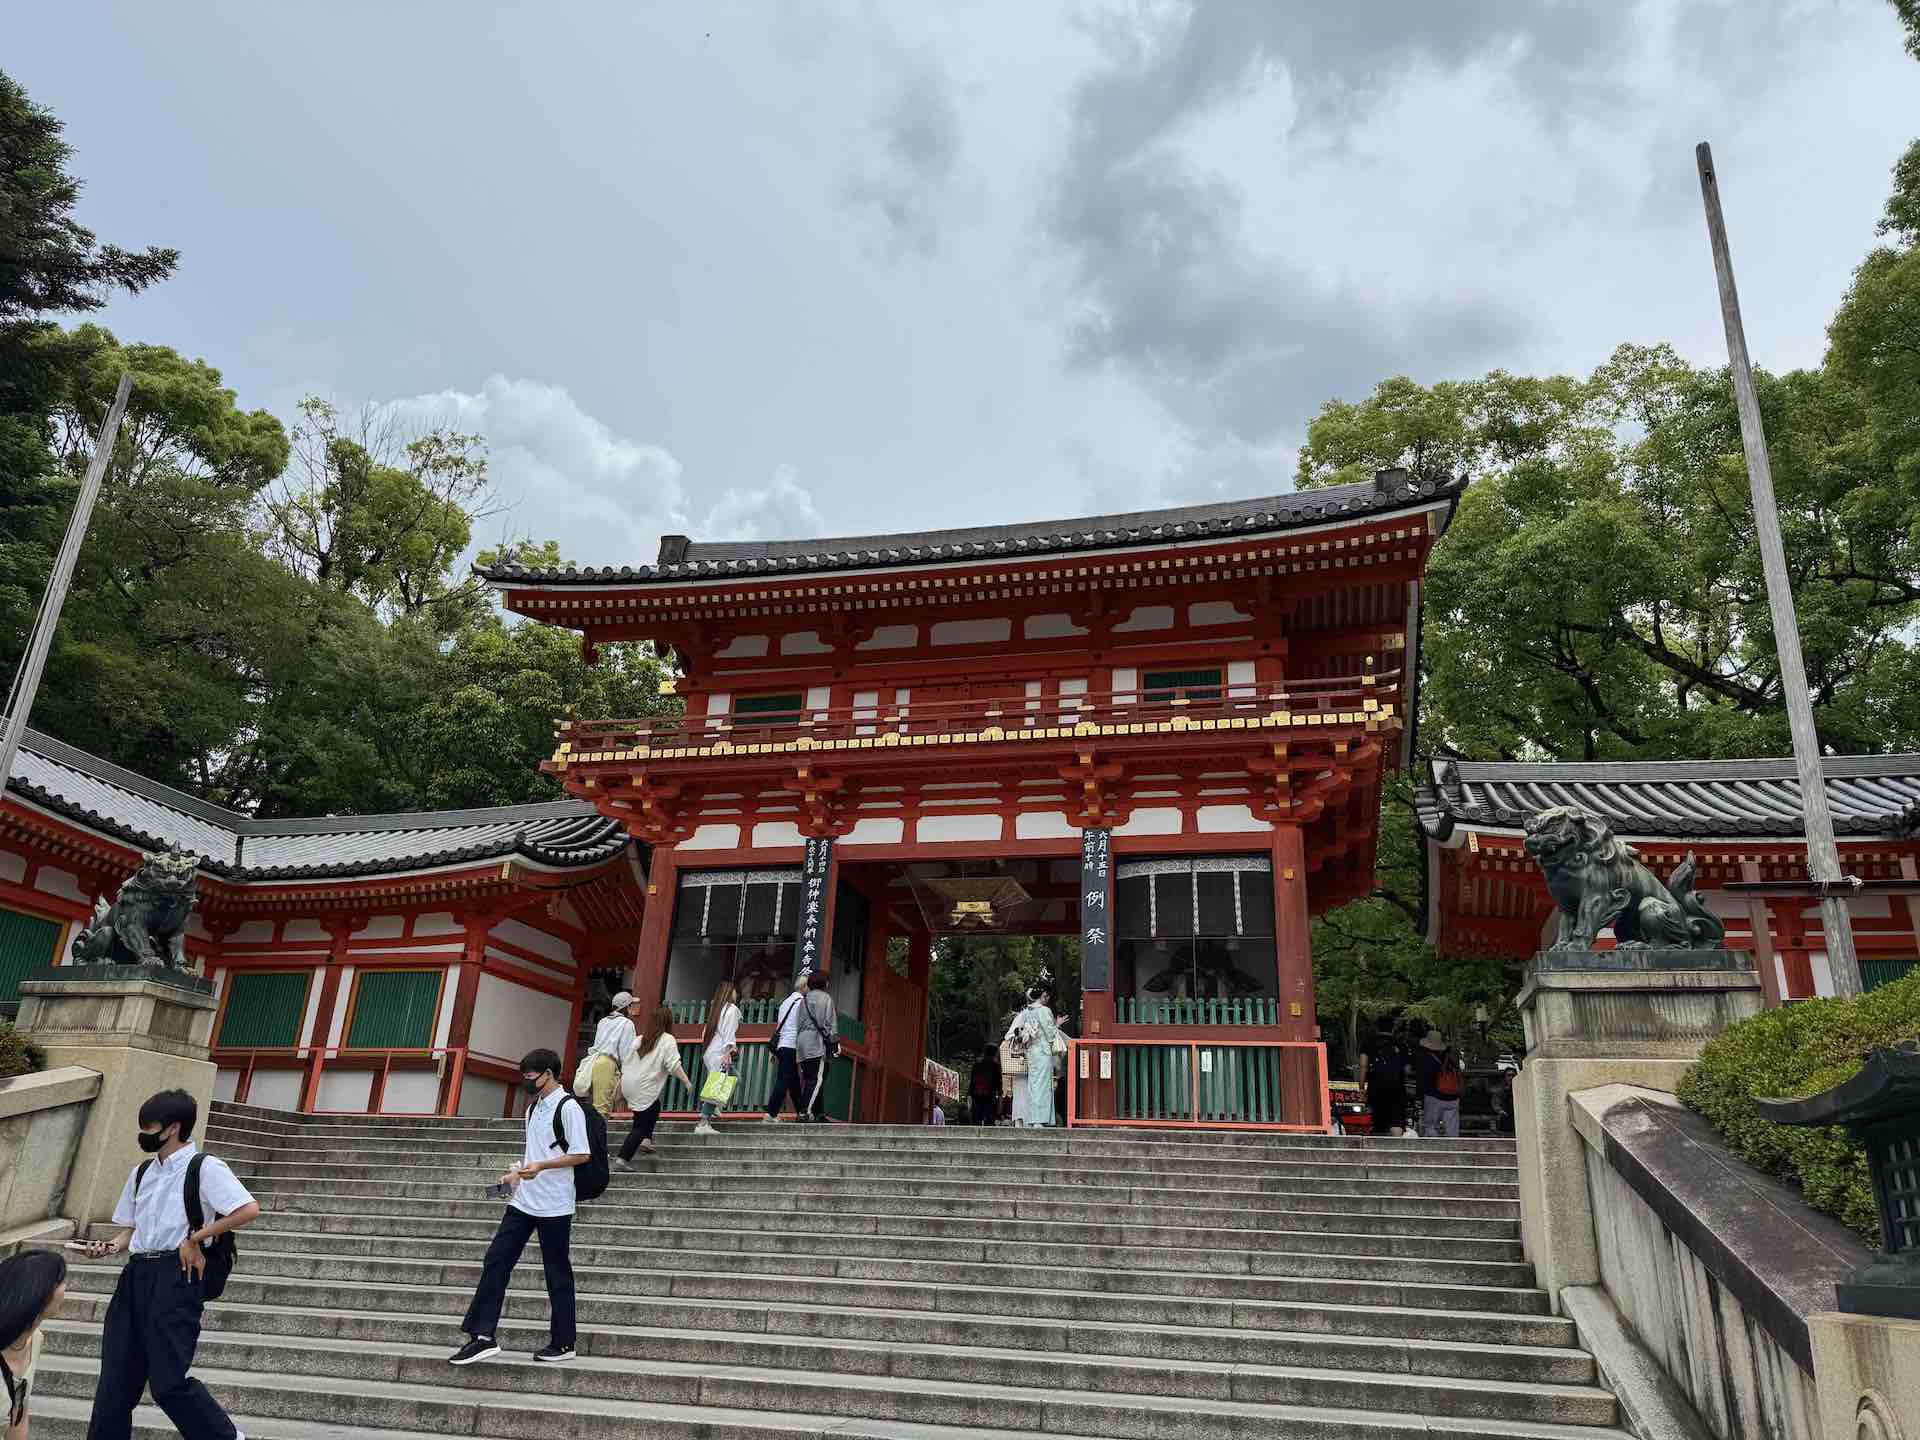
(564, 1162)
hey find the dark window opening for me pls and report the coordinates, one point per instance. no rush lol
(1166, 685)
(1195, 929)
(782, 709)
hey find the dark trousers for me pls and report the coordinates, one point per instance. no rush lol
(986, 1109)
(643, 1123)
(516, 1227)
(153, 1325)
(813, 1088)
(786, 1081)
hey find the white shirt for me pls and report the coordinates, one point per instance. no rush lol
(645, 1076)
(789, 1035)
(614, 1037)
(551, 1191)
(725, 1033)
(158, 1214)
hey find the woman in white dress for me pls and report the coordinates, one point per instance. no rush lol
(721, 1042)
(1032, 1034)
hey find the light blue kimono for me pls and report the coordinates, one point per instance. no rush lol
(1033, 1099)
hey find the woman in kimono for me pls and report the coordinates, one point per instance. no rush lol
(1033, 1031)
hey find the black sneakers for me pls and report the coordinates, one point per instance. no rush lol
(554, 1353)
(474, 1350)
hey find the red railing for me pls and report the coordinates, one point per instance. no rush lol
(978, 718)
(447, 1063)
(1200, 1084)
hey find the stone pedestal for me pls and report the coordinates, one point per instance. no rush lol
(1604, 1018)
(1867, 1372)
(141, 1029)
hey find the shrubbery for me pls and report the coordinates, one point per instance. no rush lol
(1792, 1052)
(17, 1057)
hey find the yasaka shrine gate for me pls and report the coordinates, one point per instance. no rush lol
(1162, 732)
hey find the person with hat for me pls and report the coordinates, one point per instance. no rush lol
(1436, 1070)
(613, 1042)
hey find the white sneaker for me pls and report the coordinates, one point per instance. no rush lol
(704, 1129)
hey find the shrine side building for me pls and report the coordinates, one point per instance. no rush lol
(1164, 732)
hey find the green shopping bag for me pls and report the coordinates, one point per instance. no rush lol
(718, 1087)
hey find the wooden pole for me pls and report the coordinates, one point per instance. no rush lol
(42, 639)
(1823, 857)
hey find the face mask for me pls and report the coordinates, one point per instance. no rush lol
(152, 1143)
(532, 1087)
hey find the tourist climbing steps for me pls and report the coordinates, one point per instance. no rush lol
(775, 1282)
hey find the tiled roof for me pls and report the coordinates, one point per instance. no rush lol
(684, 559)
(117, 802)
(1876, 796)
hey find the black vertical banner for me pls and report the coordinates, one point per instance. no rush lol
(816, 884)
(1096, 894)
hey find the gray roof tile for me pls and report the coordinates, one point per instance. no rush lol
(118, 802)
(1871, 796)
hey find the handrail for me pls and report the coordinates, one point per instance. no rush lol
(980, 717)
(1207, 1102)
(449, 1062)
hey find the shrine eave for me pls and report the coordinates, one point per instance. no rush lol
(1871, 797)
(93, 795)
(682, 561)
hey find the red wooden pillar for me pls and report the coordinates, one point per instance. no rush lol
(339, 930)
(1790, 929)
(1761, 923)
(466, 995)
(1300, 1100)
(649, 982)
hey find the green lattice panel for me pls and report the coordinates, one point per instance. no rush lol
(264, 1010)
(1875, 973)
(394, 1010)
(26, 943)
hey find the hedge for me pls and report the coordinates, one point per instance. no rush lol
(1795, 1051)
(17, 1057)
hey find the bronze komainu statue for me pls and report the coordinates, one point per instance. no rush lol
(1598, 881)
(147, 922)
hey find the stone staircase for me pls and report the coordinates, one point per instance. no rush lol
(779, 1281)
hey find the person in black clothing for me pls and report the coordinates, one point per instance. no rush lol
(1386, 1081)
(984, 1087)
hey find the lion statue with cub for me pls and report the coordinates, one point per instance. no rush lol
(147, 922)
(1598, 882)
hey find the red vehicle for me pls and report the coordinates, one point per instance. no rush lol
(1348, 1105)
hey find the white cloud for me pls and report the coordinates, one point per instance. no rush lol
(606, 497)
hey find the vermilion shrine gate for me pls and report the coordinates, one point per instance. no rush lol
(960, 729)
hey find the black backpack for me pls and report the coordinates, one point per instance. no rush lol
(221, 1251)
(590, 1179)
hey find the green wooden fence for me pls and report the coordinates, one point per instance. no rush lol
(1259, 1010)
(1875, 973)
(1235, 1084)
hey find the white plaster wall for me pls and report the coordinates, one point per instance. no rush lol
(743, 647)
(777, 832)
(438, 922)
(818, 697)
(1162, 821)
(892, 637)
(1743, 1384)
(972, 632)
(1050, 627)
(304, 928)
(1072, 692)
(63, 883)
(718, 704)
(483, 1097)
(1822, 972)
(958, 827)
(1043, 825)
(1229, 820)
(866, 706)
(383, 927)
(413, 1092)
(1146, 617)
(514, 932)
(1214, 612)
(13, 867)
(315, 983)
(509, 1020)
(1240, 679)
(340, 1006)
(804, 642)
(276, 1089)
(877, 830)
(226, 1084)
(449, 997)
(713, 837)
(345, 1090)
(1126, 681)
(254, 932)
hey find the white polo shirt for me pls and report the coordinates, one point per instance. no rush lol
(551, 1191)
(788, 1036)
(158, 1214)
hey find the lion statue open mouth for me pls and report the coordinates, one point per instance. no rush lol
(147, 922)
(1598, 882)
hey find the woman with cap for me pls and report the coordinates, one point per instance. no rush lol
(1032, 1035)
(1437, 1070)
(644, 1081)
(612, 1043)
(32, 1285)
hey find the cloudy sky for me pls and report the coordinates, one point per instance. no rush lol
(758, 268)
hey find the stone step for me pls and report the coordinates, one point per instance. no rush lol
(1202, 1301)
(287, 1232)
(594, 1224)
(1419, 1342)
(638, 1206)
(999, 1388)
